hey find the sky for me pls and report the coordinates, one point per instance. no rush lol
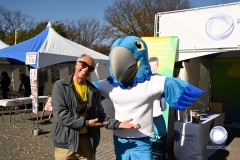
(54, 10)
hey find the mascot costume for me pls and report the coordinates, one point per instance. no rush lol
(132, 88)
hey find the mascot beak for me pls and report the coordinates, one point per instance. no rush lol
(123, 64)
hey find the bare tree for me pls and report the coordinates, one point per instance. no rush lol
(136, 17)
(120, 16)
(171, 5)
(71, 30)
(88, 32)
(11, 21)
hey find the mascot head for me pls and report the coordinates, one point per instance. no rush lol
(129, 62)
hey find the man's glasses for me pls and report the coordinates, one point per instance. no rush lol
(84, 65)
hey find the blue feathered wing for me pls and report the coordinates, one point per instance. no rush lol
(180, 94)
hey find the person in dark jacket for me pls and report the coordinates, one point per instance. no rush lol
(78, 114)
(5, 82)
(25, 82)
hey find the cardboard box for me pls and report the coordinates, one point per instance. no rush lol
(216, 107)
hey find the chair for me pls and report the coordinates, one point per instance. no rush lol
(47, 107)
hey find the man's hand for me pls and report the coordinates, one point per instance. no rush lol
(127, 125)
(95, 123)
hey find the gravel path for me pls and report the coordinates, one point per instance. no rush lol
(18, 142)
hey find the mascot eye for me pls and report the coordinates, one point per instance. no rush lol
(138, 44)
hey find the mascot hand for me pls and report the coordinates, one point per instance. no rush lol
(180, 94)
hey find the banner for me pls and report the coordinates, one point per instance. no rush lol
(34, 90)
(31, 58)
(161, 54)
(202, 28)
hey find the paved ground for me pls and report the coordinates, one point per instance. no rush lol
(17, 142)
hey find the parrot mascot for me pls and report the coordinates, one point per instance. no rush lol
(132, 88)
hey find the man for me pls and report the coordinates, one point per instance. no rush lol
(78, 114)
(154, 62)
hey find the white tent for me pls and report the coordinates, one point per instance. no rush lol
(51, 48)
(3, 45)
